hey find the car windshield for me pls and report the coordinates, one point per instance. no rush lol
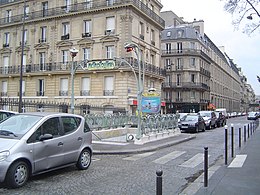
(190, 118)
(252, 113)
(205, 114)
(17, 125)
(217, 114)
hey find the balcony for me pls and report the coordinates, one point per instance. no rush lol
(108, 92)
(186, 52)
(6, 45)
(85, 6)
(186, 86)
(204, 72)
(42, 40)
(85, 93)
(65, 37)
(63, 93)
(87, 34)
(110, 32)
(40, 93)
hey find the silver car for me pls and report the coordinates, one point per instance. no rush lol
(34, 143)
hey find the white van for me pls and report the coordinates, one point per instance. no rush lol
(223, 110)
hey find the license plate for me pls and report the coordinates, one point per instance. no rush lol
(184, 127)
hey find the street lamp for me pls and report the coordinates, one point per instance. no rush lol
(73, 53)
(21, 67)
(140, 85)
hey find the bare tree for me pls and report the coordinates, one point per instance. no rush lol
(245, 13)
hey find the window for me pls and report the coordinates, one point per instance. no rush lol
(64, 86)
(179, 63)
(4, 88)
(109, 86)
(6, 64)
(168, 34)
(152, 37)
(110, 2)
(141, 30)
(168, 47)
(192, 61)
(51, 126)
(110, 52)
(178, 96)
(168, 64)
(152, 59)
(24, 59)
(193, 78)
(23, 87)
(180, 33)
(65, 54)
(26, 11)
(86, 53)
(168, 80)
(192, 45)
(70, 124)
(85, 86)
(192, 94)
(42, 60)
(67, 5)
(25, 37)
(87, 26)
(43, 34)
(8, 15)
(44, 8)
(178, 79)
(110, 25)
(179, 47)
(65, 28)
(40, 87)
(88, 4)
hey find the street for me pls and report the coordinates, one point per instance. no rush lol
(136, 173)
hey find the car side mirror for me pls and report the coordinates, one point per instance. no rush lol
(45, 137)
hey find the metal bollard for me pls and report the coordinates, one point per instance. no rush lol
(232, 140)
(251, 128)
(226, 144)
(239, 137)
(206, 166)
(247, 130)
(244, 133)
(159, 182)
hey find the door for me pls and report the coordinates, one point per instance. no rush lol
(48, 153)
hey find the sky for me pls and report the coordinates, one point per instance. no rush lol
(244, 50)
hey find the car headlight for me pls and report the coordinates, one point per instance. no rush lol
(4, 155)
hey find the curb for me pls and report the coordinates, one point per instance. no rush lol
(144, 149)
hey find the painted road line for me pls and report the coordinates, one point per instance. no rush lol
(238, 161)
(109, 143)
(138, 156)
(194, 161)
(169, 157)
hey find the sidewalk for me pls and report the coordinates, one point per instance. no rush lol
(242, 179)
(106, 147)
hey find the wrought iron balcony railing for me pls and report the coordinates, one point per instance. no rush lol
(186, 85)
(79, 7)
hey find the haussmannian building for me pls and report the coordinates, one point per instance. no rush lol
(99, 31)
(199, 75)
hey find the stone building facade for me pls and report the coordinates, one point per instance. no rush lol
(99, 31)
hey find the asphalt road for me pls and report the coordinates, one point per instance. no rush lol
(136, 173)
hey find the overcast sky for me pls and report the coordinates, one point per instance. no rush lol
(244, 50)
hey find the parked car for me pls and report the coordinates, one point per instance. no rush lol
(33, 143)
(221, 119)
(192, 123)
(5, 114)
(252, 116)
(210, 118)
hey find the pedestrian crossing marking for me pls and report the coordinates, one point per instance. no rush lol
(238, 161)
(169, 157)
(194, 161)
(138, 156)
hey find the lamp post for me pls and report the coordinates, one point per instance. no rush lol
(73, 53)
(21, 67)
(140, 85)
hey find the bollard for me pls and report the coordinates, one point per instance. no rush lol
(251, 128)
(226, 144)
(247, 130)
(232, 140)
(159, 182)
(244, 133)
(206, 166)
(239, 137)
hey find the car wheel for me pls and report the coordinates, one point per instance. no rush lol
(197, 129)
(84, 160)
(17, 174)
(204, 128)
